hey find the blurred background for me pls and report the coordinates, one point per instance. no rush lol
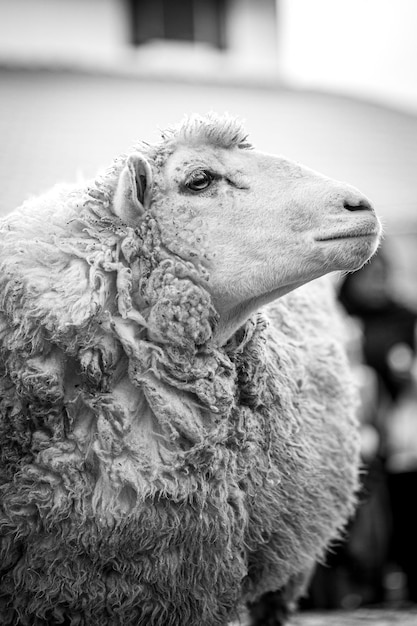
(329, 83)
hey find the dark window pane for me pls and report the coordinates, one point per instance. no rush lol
(210, 17)
(179, 19)
(146, 20)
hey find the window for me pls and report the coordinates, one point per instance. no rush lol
(178, 20)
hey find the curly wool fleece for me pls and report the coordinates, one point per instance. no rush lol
(148, 476)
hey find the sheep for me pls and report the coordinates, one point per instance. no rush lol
(177, 417)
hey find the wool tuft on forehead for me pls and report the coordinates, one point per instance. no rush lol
(224, 131)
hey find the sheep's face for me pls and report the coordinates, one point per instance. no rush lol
(261, 224)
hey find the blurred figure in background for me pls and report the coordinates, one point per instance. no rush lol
(383, 534)
(388, 324)
(401, 464)
(389, 348)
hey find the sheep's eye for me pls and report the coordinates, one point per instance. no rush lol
(200, 180)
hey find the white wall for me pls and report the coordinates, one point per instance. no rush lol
(57, 29)
(252, 33)
(96, 32)
(362, 47)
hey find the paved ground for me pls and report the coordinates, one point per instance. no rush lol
(360, 617)
(357, 618)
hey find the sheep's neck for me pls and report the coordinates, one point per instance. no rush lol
(233, 318)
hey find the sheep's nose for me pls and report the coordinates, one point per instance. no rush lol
(357, 203)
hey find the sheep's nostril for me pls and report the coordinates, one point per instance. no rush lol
(361, 205)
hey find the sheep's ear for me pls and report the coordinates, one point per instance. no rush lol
(133, 191)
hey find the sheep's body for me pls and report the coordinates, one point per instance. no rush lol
(149, 473)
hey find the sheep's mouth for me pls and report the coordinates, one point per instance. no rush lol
(373, 234)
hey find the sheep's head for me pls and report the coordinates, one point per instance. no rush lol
(258, 224)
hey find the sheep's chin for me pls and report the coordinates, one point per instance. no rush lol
(349, 253)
